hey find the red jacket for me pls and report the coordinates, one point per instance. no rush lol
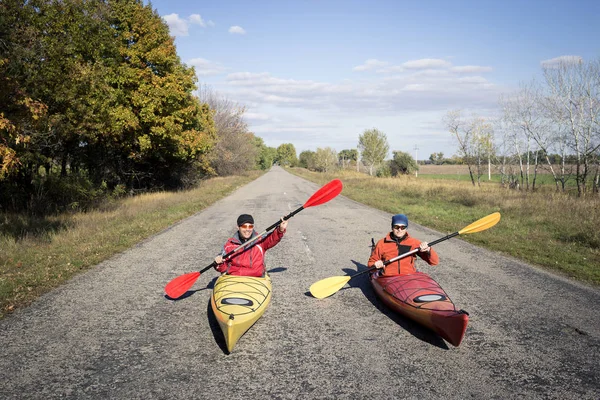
(387, 248)
(252, 261)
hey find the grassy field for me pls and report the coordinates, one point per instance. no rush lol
(39, 254)
(552, 230)
(461, 173)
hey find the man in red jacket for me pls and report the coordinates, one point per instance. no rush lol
(251, 261)
(398, 242)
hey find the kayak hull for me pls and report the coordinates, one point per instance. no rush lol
(238, 302)
(419, 297)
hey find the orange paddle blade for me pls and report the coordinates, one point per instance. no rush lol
(178, 286)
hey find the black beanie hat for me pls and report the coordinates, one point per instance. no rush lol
(245, 218)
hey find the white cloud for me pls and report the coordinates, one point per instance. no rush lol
(370, 64)
(416, 87)
(237, 30)
(205, 67)
(562, 60)
(177, 26)
(427, 63)
(197, 19)
(419, 90)
(312, 114)
(257, 119)
(180, 26)
(471, 69)
(473, 79)
(256, 116)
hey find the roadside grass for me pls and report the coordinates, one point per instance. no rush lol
(38, 254)
(551, 230)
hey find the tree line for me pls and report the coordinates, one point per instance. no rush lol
(95, 102)
(372, 151)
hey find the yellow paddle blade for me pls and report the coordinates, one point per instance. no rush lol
(328, 286)
(481, 224)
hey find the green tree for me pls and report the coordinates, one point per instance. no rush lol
(325, 159)
(19, 111)
(286, 155)
(374, 147)
(437, 158)
(307, 159)
(346, 156)
(402, 163)
(57, 97)
(265, 155)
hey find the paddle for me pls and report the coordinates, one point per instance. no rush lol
(328, 286)
(179, 285)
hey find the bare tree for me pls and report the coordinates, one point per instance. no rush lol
(475, 138)
(463, 134)
(235, 150)
(574, 105)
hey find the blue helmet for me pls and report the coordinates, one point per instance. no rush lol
(400, 219)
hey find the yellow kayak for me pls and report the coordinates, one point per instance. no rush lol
(238, 302)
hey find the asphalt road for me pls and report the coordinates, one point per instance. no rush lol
(111, 334)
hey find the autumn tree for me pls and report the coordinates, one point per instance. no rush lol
(59, 54)
(95, 96)
(160, 125)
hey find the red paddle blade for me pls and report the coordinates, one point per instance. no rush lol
(178, 286)
(326, 193)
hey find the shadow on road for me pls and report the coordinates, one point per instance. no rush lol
(216, 329)
(418, 331)
(277, 270)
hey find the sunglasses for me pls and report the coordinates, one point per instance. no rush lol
(399, 227)
(247, 226)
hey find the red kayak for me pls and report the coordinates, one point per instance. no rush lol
(420, 298)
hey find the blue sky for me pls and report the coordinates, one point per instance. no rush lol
(318, 73)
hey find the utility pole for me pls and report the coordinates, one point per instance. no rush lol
(416, 161)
